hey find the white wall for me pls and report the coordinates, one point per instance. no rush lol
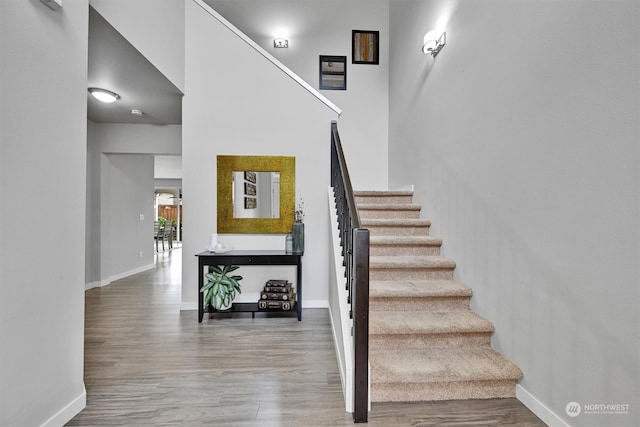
(93, 255)
(127, 214)
(525, 156)
(323, 27)
(43, 131)
(138, 138)
(160, 38)
(234, 103)
(120, 180)
(168, 167)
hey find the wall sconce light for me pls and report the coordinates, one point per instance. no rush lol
(103, 95)
(280, 43)
(434, 41)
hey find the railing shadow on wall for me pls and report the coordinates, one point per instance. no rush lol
(354, 242)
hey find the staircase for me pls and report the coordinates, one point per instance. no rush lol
(424, 341)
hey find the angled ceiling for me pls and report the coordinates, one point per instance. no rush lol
(114, 64)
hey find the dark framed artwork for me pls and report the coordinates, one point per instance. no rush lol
(333, 72)
(250, 176)
(249, 189)
(365, 47)
(250, 203)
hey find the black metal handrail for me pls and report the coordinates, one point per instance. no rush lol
(355, 254)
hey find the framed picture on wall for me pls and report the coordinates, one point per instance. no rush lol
(250, 203)
(250, 189)
(250, 176)
(333, 72)
(364, 47)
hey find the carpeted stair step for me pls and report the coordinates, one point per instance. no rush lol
(397, 227)
(410, 268)
(390, 211)
(431, 295)
(428, 329)
(441, 374)
(385, 197)
(404, 245)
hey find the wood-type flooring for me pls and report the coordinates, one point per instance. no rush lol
(149, 364)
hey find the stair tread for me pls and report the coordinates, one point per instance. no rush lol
(389, 206)
(440, 365)
(410, 261)
(383, 193)
(427, 322)
(417, 289)
(398, 222)
(405, 240)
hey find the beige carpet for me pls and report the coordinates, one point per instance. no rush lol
(424, 341)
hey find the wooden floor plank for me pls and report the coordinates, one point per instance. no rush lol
(149, 364)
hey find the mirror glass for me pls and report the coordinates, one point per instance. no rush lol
(256, 194)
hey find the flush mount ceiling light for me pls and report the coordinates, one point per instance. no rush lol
(434, 41)
(103, 95)
(280, 42)
(138, 113)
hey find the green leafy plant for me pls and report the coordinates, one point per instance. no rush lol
(220, 289)
(162, 221)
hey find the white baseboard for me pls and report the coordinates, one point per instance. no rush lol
(131, 272)
(409, 187)
(541, 410)
(105, 282)
(92, 285)
(68, 412)
(315, 303)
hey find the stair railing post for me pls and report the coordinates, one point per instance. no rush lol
(360, 299)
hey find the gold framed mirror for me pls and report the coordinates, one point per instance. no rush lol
(256, 194)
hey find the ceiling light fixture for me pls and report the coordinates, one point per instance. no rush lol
(103, 95)
(137, 112)
(280, 42)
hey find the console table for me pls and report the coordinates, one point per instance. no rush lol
(205, 259)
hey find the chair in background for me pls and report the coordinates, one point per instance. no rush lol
(158, 234)
(167, 234)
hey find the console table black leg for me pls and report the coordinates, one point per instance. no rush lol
(200, 295)
(299, 288)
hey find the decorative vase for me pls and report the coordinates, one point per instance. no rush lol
(288, 245)
(298, 237)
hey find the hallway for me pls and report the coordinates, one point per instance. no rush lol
(149, 364)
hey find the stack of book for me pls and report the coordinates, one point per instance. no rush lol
(277, 295)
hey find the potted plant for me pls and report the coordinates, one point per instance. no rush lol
(220, 289)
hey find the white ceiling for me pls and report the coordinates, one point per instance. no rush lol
(114, 64)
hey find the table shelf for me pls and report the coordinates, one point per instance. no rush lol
(250, 307)
(265, 257)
